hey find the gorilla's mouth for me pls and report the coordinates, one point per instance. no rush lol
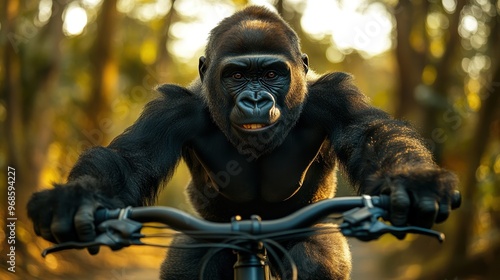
(253, 126)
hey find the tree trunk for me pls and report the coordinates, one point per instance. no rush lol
(410, 56)
(488, 114)
(445, 77)
(104, 75)
(163, 73)
(28, 103)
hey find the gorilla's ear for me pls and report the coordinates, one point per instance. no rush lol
(305, 62)
(202, 67)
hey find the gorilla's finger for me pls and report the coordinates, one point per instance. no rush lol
(46, 233)
(400, 205)
(62, 228)
(84, 222)
(62, 224)
(443, 212)
(41, 219)
(427, 210)
(42, 226)
(84, 225)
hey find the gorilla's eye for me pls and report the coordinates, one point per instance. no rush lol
(270, 75)
(237, 76)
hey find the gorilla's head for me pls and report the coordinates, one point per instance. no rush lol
(254, 79)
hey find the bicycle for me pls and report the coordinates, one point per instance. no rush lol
(251, 240)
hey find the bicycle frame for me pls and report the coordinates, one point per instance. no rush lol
(254, 265)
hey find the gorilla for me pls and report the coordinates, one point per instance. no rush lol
(261, 134)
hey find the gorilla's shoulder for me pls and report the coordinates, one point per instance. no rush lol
(173, 90)
(175, 96)
(332, 78)
(176, 92)
(335, 89)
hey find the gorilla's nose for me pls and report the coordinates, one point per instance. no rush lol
(255, 103)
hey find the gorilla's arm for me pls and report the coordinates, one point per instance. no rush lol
(381, 154)
(365, 139)
(127, 172)
(135, 162)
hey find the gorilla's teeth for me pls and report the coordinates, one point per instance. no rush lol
(253, 126)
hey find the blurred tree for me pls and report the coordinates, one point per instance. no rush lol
(31, 63)
(104, 69)
(434, 42)
(164, 59)
(427, 49)
(488, 122)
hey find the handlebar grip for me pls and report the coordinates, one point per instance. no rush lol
(104, 214)
(456, 199)
(384, 201)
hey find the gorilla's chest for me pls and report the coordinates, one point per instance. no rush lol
(273, 177)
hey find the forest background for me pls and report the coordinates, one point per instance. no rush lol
(76, 73)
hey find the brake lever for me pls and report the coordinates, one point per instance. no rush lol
(413, 229)
(364, 224)
(116, 234)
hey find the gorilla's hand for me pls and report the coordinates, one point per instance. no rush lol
(419, 196)
(66, 213)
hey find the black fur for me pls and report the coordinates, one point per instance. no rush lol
(271, 171)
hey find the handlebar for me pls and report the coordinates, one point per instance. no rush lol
(182, 221)
(304, 217)
(361, 218)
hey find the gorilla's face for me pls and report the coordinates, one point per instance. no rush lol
(257, 85)
(254, 80)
